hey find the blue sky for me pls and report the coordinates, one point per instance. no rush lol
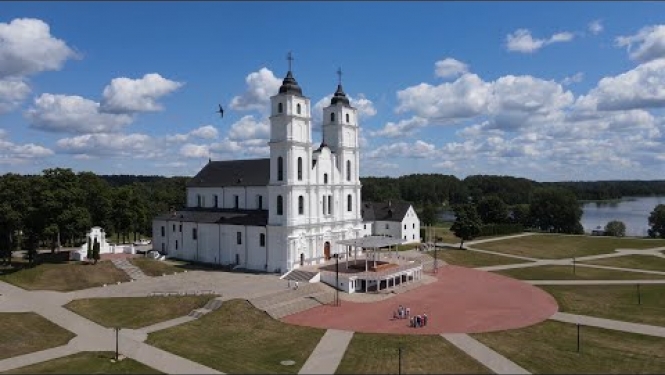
(544, 90)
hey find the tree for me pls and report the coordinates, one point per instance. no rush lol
(615, 228)
(657, 222)
(492, 210)
(520, 215)
(428, 216)
(556, 210)
(467, 223)
(95, 251)
(89, 253)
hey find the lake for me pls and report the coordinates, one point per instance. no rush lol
(633, 211)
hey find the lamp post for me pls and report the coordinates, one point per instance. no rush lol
(399, 359)
(337, 279)
(117, 329)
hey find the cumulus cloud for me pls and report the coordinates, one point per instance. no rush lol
(27, 47)
(111, 145)
(417, 149)
(649, 42)
(12, 93)
(12, 153)
(522, 41)
(203, 132)
(126, 95)
(261, 86)
(249, 128)
(595, 27)
(402, 128)
(73, 114)
(575, 78)
(450, 67)
(191, 150)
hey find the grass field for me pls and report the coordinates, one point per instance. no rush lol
(619, 302)
(87, 363)
(552, 246)
(239, 338)
(550, 348)
(370, 353)
(65, 276)
(468, 258)
(28, 332)
(135, 312)
(644, 262)
(153, 267)
(581, 273)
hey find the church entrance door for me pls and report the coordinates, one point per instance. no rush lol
(326, 250)
(302, 259)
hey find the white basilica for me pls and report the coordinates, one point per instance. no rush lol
(289, 210)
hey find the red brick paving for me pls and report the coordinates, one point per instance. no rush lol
(462, 300)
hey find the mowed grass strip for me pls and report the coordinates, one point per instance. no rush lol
(639, 261)
(240, 339)
(66, 277)
(553, 246)
(619, 302)
(581, 273)
(469, 258)
(136, 312)
(153, 267)
(22, 333)
(551, 348)
(374, 353)
(86, 363)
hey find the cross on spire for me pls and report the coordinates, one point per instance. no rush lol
(289, 57)
(339, 74)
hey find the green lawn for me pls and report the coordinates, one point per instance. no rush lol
(552, 246)
(154, 267)
(372, 353)
(66, 276)
(136, 312)
(87, 363)
(28, 332)
(581, 273)
(239, 338)
(468, 258)
(619, 302)
(551, 348)
(644, 262)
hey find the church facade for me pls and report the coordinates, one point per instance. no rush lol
(283, 212)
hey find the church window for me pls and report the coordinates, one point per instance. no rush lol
(332, 117)
(414, 225)
(365, 226)
(387, 226)
(280, 205)
(325, 178)
(163, 231)
(239, 238)
(298, 108)
(216, 198)
(198, 200)
(176, 244)
(301, 205)
(348, 170)
(180, 228)
(324, 205)
(414, 236)
(347, 118)
(404, 237)
(299, 169)
(194, 234)
(349, 201)
(174, 227)
(280, 108)
(330, 205)
(405, 226)
(236, 202)
(260, 203)
(280, 169)
(262, 240)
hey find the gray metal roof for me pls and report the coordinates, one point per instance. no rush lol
(290, 86)
(371, 241)
(217, 216)
(249, 172)
(384, 211)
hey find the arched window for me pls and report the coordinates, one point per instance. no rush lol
(301, 205)
(332, 117)
(280, 108)
(216, 201)
(348, 170)
(198, 200)
(298, 108)
(347, 118)
(280, 168)
(259, 202)
(280, 205)
(262, 240)
(325, 178)
(349, 203)
(299, 169)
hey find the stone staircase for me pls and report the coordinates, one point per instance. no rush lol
(300, 275)
(134, 272)
(291, 301)
(211, 306)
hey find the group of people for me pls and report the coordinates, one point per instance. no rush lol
(414, 321)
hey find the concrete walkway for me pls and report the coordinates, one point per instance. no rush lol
(616, 325)
(483, 354)
(593, 282)
(131, 270)
(328, 353)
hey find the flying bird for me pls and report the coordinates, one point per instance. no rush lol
(220, 111)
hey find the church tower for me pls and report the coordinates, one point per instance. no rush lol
(340, 133)
(290, 152)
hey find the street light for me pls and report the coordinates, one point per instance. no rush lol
(337, 279)
(399, 356)
(117, 329)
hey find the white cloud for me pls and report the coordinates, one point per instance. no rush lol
(402, 128)
(249, 128)
(450, 67)
(417, 149)
(595, 27)
(136, 146)
(522, 41)
(27, 47)
(575, 78)
(12, 153)
(195, 151)
(261, 86)
(364, 106)
(12, 93)
(126, 95)
(650, 43)
(203, 132)
(73, 114)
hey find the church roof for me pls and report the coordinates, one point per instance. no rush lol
(384, 211)
(290, 86)
(249, 172)
(218, 216)
(340, 97)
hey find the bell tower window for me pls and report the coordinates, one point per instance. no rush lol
(347, 118)
(280, 205)
(299, 169)
(301, 205)
(325, 178)
(332, 117)
(348, 170)
(280, 169)
(280, 108)
(298, 108)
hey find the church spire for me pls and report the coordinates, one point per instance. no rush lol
(339, 96)
(289, 85)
